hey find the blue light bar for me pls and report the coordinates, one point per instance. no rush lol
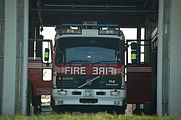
(88, 23)
(107, 28)
(108, 24)
(69, 23)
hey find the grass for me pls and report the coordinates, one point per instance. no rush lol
(86, 117)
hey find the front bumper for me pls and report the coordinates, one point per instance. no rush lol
(88, 97)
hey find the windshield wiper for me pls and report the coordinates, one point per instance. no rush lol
(77, 61)
(87, 82)
(105, 62)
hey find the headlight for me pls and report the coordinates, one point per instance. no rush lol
(62, 92)
(115, 93)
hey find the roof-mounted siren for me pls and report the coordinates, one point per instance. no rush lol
(68, 29)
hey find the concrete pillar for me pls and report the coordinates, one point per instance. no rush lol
(14, 83)
(1, 49)
(175, 60)
(163, 58)
(22, 55)
(8, 102)
(169, 77)
(25, 56)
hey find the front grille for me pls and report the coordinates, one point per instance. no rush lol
(76, 93)
(100, 93)
(103, 82)
(88, 100)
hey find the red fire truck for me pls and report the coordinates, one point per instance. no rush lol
(89, 68)
(39, 72)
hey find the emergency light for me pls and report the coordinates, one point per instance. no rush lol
(71, 31)
(108, 31)
(103, 29)
(68, 30)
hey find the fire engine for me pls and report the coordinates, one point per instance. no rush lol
(89, 68)
(39, 73)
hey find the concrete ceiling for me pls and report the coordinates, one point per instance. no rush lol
(127, 13)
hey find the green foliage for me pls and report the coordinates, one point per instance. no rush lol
(86, 117)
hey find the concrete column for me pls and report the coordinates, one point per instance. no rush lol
(14, 87)
(24, 91)
(163, 57)
(175, 60)
(1, 49)
(169, 57)
(159, 61)
(9, 72)
(22, 55)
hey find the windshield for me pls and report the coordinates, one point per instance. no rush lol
(87, 50)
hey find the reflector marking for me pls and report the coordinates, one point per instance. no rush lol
(139, 69)
(38, 65)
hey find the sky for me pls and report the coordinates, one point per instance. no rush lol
(48, 32)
